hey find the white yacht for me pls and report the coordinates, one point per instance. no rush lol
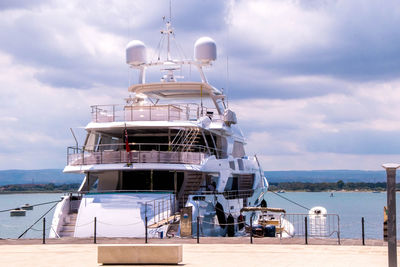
(172, 145)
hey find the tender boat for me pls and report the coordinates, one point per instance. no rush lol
(17, 212)
(27, 207)
(172, 145)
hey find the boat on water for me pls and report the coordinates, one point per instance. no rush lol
(172, 146)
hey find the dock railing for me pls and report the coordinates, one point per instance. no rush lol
(314, 226)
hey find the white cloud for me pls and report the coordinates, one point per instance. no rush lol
(280, 28)
(315, 81)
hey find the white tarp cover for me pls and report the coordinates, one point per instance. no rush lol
(118, 214)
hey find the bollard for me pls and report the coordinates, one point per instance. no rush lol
(145, 234)
(305, 230)
(251, 229)
(391, 205)
(44, 230)
(362, 231)
(94, 230)
(198, 229)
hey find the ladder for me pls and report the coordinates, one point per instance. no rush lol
(184, 139)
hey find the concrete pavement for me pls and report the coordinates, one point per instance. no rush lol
(207, 255)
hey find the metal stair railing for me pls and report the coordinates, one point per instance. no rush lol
(191, 140)
(176, 142)
(187, 138)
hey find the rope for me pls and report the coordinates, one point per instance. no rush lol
(38, 220)
(34, 205)
(290, 200)
(84, 224)
(140, 222)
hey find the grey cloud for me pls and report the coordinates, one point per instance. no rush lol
(354, 142)
(21, 4)
(363, 44)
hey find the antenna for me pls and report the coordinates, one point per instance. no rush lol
(168, 32)
(170, 16)
(76, 141)
(227, 78)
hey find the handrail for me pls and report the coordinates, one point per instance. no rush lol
(122, 145)
(158, 112)
(139, 153)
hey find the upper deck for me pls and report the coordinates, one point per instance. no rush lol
(158, 102)
(163, 112)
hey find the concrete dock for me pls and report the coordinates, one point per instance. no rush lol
(212, 252)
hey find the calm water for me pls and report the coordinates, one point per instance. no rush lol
(350, 207)
(12, 227)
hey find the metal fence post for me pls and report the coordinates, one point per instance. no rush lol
(198, 234)
(362, 231)
(338, 232)
(95, 230)
(44, 230)
(305, 230)
(145, 233)
(251, 229)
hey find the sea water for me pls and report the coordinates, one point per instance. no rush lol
(350, 206)
(13, 227)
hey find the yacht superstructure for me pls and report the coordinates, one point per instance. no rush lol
(171, 145)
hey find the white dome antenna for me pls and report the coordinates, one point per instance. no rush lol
(136, 53)
(205, 50)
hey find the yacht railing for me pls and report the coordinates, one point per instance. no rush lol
(233, 194)
(171, 112)
(140, 153)
(159, 211)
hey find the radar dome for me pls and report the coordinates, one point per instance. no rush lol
(205, 50)
(135, 53)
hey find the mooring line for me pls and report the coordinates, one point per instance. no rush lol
(290, 200)
(38, 220)
(45, 203)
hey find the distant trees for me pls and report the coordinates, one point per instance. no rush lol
(39, 187)
(339, 185)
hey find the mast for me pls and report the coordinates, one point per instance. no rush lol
(168, 31)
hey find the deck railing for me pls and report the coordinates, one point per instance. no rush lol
(160, 210)
(172, 112)
(140, 153)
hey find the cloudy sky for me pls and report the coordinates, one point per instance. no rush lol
(315, 83)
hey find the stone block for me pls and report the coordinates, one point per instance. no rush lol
(139, 254)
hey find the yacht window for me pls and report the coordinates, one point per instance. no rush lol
(91, 141)
(238, 150)
(211, 182)
(232, 184)
(232, 165)
(109, 143)
(240, 164)
(222, 144)
(147, 180)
